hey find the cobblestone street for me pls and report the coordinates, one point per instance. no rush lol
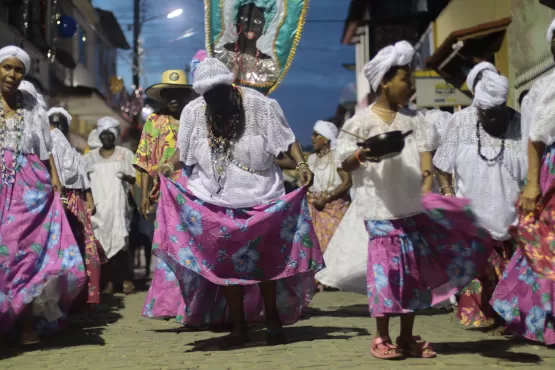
(335, 335)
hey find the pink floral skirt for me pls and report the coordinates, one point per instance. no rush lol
(417, 262)
(208, 247)
(38, 252)
(327, 220)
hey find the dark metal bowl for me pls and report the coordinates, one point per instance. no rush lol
(386, 145)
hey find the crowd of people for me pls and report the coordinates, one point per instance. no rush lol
(452, 205)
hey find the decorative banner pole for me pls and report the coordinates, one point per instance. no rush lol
(256, 39)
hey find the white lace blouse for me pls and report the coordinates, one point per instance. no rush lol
(326, 177)
(36, 130)
(391, 189)
(492, 187)
(67, 164)
(538, 110)
(266, 135)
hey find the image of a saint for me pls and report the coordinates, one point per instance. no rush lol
(247, 40)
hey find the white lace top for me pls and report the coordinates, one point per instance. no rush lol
(67, 164)
(492, 187)
(36, 131)
(391, 189)
(538, 110)
(266, 135)
(326, 177)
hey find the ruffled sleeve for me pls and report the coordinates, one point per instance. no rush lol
(128, 158)
(425, 133)
(36, 138)
(186, 134)
(542, 117)
(143, 159)
(445, 157)
(67, 164)
(347, 144)
(279, 135)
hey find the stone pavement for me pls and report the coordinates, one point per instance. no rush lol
(335, 334)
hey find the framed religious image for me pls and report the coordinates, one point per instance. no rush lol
(256, 39)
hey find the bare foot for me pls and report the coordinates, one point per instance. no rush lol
(109, 290)
(128, 287)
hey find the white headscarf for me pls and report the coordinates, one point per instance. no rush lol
(550, 32)
(94, 141)
(61, 111)
(108, 123)
(209, 73)
(30, 88)
(397, 55)
(327, 130)
(478, 68)
(491, 91)
(15, 52)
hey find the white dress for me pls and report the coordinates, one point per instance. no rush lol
(326, 177)
(112, 220)
(266, 135)
(67, 163)
(492, 187)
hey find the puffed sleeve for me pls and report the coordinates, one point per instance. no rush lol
(542, 118)
(445, 157)
(346, 143)
(186, 135)
(425, 133)
(83, 171)
(66, 162)
(279, 135)
(128, 168)
(142, 159)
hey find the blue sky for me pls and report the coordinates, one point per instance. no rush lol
(309, 92)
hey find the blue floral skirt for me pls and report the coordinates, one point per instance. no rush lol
(422, 260)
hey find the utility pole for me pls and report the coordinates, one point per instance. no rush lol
(136, 67)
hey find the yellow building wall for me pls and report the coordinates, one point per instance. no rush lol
(460, 14)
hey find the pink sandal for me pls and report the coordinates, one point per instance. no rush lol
(416, 348)
(383, 349)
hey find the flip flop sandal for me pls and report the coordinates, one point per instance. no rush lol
(417, 348)
(128, 288)
(382, 348)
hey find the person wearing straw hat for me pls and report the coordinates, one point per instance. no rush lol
(158, 144)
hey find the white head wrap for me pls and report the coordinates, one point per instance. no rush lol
(61, 111)
(327, 130)
(397, 55)
(550, 32)
(108, 123)
(15, 52)
(94, 141)
(491, 91)
(478, 68)
(209, 73)
(30, 88)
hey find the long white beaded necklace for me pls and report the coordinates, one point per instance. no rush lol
(7, 172)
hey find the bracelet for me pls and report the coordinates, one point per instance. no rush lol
(449, 195)
(301, 165)
(426, 173)
(357, 156)
(172, 168)
(445, 187)
(64, 200)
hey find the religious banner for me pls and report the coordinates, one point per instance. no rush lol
(256, 39)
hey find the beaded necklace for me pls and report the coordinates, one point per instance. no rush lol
(7, 173)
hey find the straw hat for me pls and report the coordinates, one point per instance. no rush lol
(171, 79)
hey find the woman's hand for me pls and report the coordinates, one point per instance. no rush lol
(91, 207)
(56, 185)
(320, 203)
(529, 198)
(166, 169)
(305, 176)
(145, 206)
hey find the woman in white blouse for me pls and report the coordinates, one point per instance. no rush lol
(79, 200)
(412, 262)
(41, 269)
(243, 250)
(484, 147)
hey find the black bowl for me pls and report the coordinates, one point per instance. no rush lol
(386, 145)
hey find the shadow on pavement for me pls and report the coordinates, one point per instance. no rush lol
(294, 334)
(359, 310)
(80, 330)
(491, 348)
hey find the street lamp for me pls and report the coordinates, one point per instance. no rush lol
(175, 13)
